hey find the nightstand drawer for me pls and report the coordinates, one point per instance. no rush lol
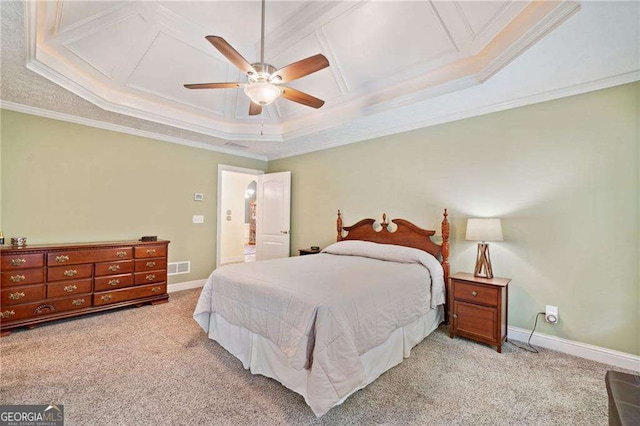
(476, 322)
(476, 293)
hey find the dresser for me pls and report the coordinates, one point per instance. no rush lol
(43, 283)
(478, 308)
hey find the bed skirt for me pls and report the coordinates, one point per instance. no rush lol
(261, 356)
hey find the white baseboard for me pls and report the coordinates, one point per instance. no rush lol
(232, 259)
(187, 285)
(582, 350)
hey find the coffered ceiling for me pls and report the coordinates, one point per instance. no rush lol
(132, 58)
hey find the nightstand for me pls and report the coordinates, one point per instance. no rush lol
(478, 308)
(306, 251)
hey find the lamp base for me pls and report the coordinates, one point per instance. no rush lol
(483, 262)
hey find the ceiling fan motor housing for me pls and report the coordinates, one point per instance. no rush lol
(263, 72)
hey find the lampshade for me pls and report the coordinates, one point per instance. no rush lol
(262, 93)
(484, 230)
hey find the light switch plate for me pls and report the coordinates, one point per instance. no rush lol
(198, 218)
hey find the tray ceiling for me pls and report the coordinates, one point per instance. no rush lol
(132, 58)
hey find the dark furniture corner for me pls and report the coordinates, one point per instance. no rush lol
(623, 390)
(306, 251)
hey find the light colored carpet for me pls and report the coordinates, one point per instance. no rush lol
(154, 365)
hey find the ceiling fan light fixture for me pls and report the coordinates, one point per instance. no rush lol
(262, 93)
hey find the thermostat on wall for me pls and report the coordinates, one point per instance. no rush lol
(198, 196)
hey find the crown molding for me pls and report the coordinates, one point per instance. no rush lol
(578, 89)
(617, 80)
(26, 109)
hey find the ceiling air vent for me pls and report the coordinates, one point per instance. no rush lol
(177, 268)
(235, 145)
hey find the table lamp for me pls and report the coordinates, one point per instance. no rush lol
(483, 230)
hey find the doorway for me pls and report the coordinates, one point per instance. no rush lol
(237, 198)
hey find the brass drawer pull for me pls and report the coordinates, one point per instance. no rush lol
(78, 302)
(151, 264)
(17, 278)
(70, 272)
(474, 293)
(18, 262)
(114, 282)
(150, 277)
(106, 298)
(121, 253)
(16, 296)
(7, 314)
(63, 258)
(113, 268)
(151, 251)
(70, 288)
(156, 289)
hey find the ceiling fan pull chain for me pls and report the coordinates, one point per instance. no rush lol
(262, 123)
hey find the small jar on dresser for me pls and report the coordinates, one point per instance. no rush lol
(43, 283)
(478, 308)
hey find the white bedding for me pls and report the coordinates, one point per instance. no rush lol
(324, 311)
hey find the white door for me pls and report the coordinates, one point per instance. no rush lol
(273, 215)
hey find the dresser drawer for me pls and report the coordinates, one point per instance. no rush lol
(21, 261)
(151, 264)
(42, 308)
(60, 273)
(22, 277)
(22, 294)
(71, 257)
(476, 293)
(133, 293)
(151, 251)
(150, 277)
(112, 268)
(66, 288)
(113, 282)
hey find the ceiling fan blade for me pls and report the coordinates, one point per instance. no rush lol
(301, 97)
(300, 69)
(212, 86)
(254, 109)
(231, 54)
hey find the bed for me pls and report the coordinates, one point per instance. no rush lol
(328, 324)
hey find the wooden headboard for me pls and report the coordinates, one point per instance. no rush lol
(407, 234)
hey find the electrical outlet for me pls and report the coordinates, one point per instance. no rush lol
(551, 314)
(198, 218)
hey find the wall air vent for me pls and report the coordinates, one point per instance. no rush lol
(235, 145)
(177, 268)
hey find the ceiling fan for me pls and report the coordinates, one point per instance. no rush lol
(264, 80)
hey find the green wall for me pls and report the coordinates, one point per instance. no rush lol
(64, 182)
(563, 176)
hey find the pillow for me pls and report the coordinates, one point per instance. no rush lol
(399, 254)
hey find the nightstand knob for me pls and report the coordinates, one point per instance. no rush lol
(455, 315)
(474, 293)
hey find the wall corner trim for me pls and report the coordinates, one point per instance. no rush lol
(579, 349)
(187, 285)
